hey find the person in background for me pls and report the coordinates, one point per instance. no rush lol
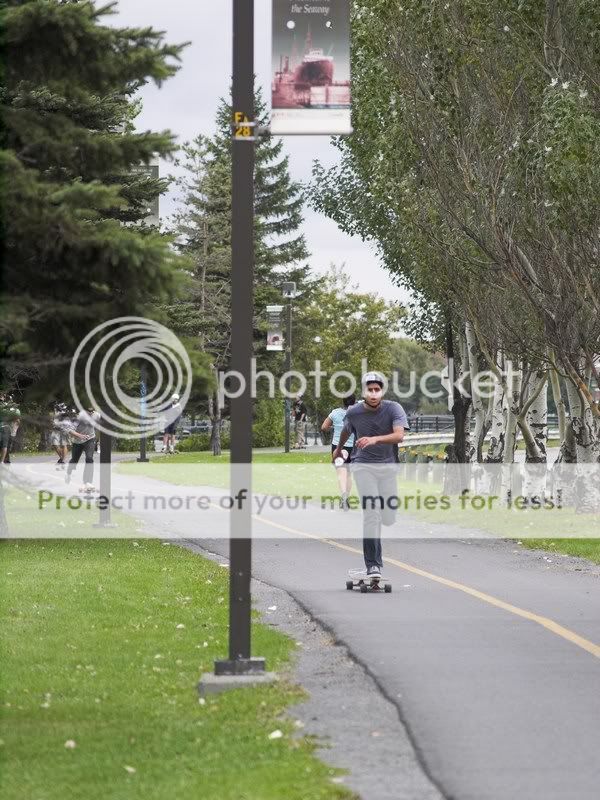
(83, 433)
(173, 415)
(9, 424)
(59, 438)
(335, 420)
(299, 413)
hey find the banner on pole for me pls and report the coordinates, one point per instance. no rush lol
(311, 67)
(274, 328)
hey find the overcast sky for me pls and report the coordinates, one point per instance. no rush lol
(186, 104)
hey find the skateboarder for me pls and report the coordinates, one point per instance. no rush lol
(83, 433)
(377, 425)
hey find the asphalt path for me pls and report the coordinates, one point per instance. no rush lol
(490, 652)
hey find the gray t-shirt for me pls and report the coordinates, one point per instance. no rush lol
(364, 421)
(86, 423)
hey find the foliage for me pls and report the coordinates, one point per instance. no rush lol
(268, 429)
(198, 442)
(203, 230)
(474, 168)
(353, 329)
(69, 157)
(409, 357)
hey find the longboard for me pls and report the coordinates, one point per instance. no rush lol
(366, 584)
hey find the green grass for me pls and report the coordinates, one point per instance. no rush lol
(582, 548)
(102, 643)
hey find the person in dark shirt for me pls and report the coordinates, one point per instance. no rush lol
(377, 425)
(173, 415)
(299, 418)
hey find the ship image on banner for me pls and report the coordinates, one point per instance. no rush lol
(311, 67)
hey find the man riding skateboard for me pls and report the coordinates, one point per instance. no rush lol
(377, 425)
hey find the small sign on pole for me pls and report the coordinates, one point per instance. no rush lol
(274, 328)
(311, 67)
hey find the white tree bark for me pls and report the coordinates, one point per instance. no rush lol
(585, 426)
(477, 405)
(533, 417)
(586, 433)
(513, 401)
(537, 415)
(559, 403)
(465, 380)
(497, 428)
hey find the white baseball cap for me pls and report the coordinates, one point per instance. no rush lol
(373, 377)
(175, 396)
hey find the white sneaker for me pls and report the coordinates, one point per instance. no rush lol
(374, 573)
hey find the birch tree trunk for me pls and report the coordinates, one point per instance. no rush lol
(498, 421)
(587, 448)
(537, 418)
(465, 380)
(477, 405)
(559, 403)
(584, 425)
(513, 400)
(533, 417)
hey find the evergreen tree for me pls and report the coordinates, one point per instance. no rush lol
(203, 226)
(69, 153)
(203, 229)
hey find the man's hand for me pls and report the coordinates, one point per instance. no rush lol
(367, 441)
(337, 453)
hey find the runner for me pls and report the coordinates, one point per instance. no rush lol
(377, 425)
(335, 420)
(59, 438)
(83, 430)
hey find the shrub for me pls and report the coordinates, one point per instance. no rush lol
(199, 442)
(269, 423)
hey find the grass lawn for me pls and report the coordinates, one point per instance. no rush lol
(583, 548)
(102, 645)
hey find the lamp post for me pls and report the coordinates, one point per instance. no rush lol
(289, 292)
(143, 391)
(244, 132)
(317, 340)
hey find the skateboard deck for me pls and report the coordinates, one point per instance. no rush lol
(358, 579)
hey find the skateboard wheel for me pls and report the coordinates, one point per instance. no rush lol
(388, 588)
(349, 585)
(363, 588)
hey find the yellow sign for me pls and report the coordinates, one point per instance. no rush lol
(242, 129)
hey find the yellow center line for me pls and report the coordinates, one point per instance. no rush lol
(545, 622)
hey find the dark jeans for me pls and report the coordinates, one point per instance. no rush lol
(76, 452)
(376, 484)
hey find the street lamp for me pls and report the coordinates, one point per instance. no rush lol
(288, 289)
(317, 340)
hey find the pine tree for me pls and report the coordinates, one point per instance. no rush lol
(203, 229)
(69, 153)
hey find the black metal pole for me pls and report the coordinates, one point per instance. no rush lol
(143, 391)
(242, 306)
(105, 480)
(287, 368)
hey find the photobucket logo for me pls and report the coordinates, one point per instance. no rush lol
(433, 384)
(119, 348)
